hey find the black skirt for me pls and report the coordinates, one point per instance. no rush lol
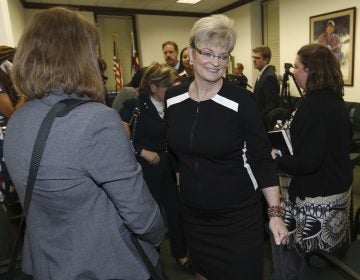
(226, 244)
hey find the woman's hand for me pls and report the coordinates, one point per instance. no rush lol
(276, 214)
(279, 230)
(275, 153)
(151, 157)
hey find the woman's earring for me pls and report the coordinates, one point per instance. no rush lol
(191, 63)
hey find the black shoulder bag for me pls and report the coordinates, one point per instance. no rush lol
(60, 109)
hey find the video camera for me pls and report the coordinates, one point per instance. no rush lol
(287, 67)
(238, 80)
(285, 86)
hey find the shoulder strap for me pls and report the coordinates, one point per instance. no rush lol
(60, 109)
(134, 119)
(133, 122)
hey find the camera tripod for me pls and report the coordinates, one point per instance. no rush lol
(285, 88)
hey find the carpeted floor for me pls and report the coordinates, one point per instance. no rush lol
(174, 272)
(171, 268)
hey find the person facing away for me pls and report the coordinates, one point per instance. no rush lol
(266, 88)
(188, 73)
(238, 69)
(331, 40)
(224, 157)
(136, 78)
(320, 167)
(240, 78)
(102, 68)
(147, 130)
(171, 51)
(89, 192)
(125, 95)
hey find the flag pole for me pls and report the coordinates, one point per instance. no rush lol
(135, 64)
(117, 65)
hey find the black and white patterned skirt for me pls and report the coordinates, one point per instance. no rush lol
(319, 223)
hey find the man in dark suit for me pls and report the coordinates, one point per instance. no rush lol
(267, 88)
(171, 50)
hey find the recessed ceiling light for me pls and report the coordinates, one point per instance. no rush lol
(188, 1)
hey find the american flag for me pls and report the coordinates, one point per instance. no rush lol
(117, 67)
(135, 64)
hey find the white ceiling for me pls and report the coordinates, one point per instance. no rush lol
(204, 6)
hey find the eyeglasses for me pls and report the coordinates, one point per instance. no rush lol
(208, 55)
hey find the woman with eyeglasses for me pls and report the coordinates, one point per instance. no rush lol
(89, 196)
(224, 158)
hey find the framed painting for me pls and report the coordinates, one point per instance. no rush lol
(337, 31)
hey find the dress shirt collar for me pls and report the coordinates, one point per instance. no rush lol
(262, 71)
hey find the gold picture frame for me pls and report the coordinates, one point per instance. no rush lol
(337, 31)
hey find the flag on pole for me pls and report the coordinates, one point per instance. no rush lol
(117, 67)
(135, 64)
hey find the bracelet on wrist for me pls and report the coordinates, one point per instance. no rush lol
(138, 152)
(276, 211)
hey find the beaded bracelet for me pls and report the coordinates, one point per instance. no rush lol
(276, 211)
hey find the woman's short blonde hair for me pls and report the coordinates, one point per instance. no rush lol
(215, 30)
(58, 49)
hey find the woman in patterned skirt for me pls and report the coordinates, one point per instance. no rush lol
(318, 200)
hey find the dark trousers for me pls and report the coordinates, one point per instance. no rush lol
(5, 236)
(164, 191)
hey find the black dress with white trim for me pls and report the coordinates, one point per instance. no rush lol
(224, 158)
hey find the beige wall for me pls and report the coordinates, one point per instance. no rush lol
(121, 27)
(294, 33)
(17, 13)
(5, 27)
(154, 30)
(248, 29)
(12, 21)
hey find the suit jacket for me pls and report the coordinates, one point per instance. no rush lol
(267, 92)
(88, 190)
